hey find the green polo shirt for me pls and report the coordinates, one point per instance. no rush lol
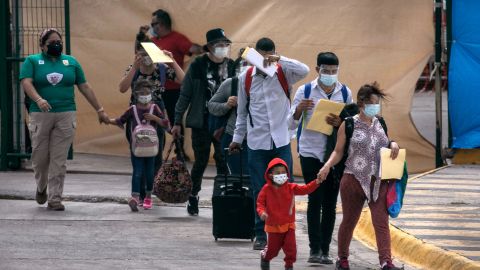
(54, 80)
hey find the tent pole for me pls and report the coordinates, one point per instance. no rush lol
(438, 82)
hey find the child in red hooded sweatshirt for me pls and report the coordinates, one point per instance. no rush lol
(276, 206)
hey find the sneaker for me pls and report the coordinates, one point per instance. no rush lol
(259, 244)
(133, 203)
(314, 257)
(264, 265)
(147, 203)
(192, 206)
(41, 197)
(342, 264)
(56, 206)
(140, 202)
(391, 266)
(326, 259)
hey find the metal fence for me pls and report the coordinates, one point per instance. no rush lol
(22, 21)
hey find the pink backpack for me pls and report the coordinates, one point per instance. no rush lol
(144, 137)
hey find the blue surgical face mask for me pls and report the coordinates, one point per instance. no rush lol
(152, 32)
(328, 80)
(371, 110)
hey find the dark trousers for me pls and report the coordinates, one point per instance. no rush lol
(257, 165)
(201, 142)
(322, 204)
(170, 98)
(142, 172)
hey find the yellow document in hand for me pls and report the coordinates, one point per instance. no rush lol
(322, 110)
(155, 53)
(391, 168)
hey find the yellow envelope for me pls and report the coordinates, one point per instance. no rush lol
(323, 108)
(155, 53)
(391, 168)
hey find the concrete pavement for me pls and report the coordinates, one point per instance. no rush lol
(106, 235)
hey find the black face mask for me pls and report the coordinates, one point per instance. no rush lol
(55, 48)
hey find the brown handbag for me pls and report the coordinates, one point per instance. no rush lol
(173, 183)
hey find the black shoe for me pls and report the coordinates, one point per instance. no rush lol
(264, 265)
(259, 244)
(192, 206)
(41, 197)
(314, 257)
(56, 206)
(326, 259)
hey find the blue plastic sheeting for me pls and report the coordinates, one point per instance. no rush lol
(464, 75)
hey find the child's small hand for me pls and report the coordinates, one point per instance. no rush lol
(151, 117)
(264, 216)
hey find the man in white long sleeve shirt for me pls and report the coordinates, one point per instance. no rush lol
(262, 112)
(314, 149)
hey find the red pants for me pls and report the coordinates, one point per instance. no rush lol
(353, 198)
(285, 241)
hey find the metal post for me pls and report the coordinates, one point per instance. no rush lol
(438, 82)
(5, 95)
(449, 46)
(67, 26)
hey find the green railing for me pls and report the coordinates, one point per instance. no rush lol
(22, 21)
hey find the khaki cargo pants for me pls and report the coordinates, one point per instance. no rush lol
(51, 135)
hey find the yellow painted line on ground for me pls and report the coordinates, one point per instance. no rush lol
(412, 250)
(426, 173)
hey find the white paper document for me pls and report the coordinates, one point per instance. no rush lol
(256, 59)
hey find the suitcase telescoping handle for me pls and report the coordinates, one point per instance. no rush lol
(227, 152)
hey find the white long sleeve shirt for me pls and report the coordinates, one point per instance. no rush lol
(312, 143)
(269, 107)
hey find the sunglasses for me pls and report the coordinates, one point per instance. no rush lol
(154, 23)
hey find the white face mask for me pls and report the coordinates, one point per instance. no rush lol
(221, 52)
(152, 32)
(371, 110)
(144, 99)
(328, 80)
(280, 179)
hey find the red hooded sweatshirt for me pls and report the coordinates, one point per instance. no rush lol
(279, 201)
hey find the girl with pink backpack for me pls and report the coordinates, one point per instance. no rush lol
(144, 116)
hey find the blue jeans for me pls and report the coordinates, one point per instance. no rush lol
(142, 167)
(233, 161)
(257, 162)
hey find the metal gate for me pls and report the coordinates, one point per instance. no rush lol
(22, 21)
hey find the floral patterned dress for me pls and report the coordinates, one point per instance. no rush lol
(364, 154)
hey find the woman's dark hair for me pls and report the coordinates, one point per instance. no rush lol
(142, 85)
(163, 17)
(46, 34)
(327, 58)
(366, 91)
(265, 44)
(141, 37)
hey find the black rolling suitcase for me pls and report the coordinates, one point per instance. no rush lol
(232, 205)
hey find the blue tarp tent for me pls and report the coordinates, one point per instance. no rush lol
(464, 75)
